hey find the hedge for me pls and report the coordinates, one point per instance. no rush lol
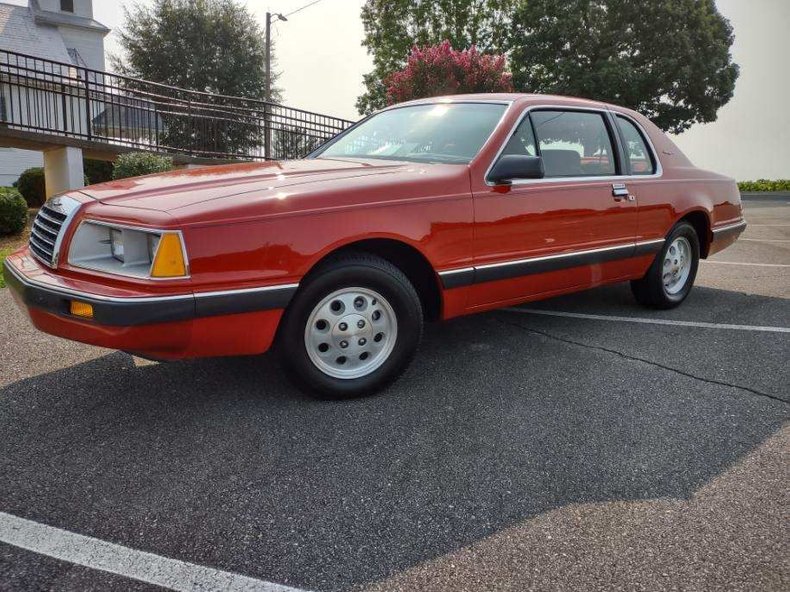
(135, 164)
(31, 185)
(13, 211)
(761, 185)
(97, 171)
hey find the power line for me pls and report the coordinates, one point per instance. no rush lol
(303, 7)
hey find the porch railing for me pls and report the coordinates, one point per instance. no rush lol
(56, 98)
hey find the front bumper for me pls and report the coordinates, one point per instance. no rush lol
(194, 324)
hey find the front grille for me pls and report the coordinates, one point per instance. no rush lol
(48, 226)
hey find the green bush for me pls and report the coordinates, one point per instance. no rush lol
(31, 185)
(13, 211)
(761, 185)
(97, 171)
(135, 164)
(3, 254)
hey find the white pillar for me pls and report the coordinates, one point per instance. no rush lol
(63, 170)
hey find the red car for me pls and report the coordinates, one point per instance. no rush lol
(427, 210)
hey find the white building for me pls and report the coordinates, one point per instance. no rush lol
(59, 30)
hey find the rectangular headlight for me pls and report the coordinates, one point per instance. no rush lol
(129, 251)
(116, 244)
(153, 244)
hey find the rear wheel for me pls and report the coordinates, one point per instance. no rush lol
(671, 275)
(352, 328)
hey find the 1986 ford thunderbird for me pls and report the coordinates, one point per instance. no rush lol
(426, 210)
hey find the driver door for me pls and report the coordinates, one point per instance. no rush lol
(571, 229)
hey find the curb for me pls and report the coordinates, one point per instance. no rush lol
(765, 195)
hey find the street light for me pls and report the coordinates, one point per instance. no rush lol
(267, 125)
(270, 18)
(273, 17)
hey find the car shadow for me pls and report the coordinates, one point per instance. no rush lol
(223, 463)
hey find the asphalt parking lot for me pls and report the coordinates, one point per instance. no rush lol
(582, 447)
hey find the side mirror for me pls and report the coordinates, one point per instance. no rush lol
(516, 166)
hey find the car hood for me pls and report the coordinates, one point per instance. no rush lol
(182, 189)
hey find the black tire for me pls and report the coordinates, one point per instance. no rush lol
(352, 270)
(650, 290)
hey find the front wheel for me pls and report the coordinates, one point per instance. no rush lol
(352, 328)
(671, 276)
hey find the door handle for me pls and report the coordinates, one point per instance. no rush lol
(620, 192)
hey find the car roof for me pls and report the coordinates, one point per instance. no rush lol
(499, 97)
(523, 98)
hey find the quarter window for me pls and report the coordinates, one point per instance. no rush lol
(574, 143)
(636, 150)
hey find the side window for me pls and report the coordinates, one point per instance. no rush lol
(636, 149)
(522, 141)
(574, 143)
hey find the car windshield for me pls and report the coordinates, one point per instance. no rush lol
(440, 132)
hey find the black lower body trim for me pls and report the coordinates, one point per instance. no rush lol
(728, 231)
(209, 305)
(129, 312)
(531, 267)
(650, 248)
(525, 267)
(458, 278)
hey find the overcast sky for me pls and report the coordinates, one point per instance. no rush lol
(322, 63)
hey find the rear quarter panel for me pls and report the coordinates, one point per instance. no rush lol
(682, 189)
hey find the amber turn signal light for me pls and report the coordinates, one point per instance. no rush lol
(169, 260)
(81, 309)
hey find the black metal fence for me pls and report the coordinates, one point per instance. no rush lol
(57, 98)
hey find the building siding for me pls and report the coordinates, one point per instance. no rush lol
(83, 8)
(20, 32)
(13, 162)
(89, 45)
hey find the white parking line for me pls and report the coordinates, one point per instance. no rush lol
(766, 240)
(130, 563)
(576, 315)
(707, 261)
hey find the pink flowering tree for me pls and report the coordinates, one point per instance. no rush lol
(441, 70)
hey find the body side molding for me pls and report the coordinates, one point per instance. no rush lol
(457, 278)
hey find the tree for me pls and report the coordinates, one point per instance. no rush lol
(394, 27)
(290, 142)
(210, 46)
(669, 60)
(441, 70)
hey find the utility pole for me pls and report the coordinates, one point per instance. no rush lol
(267, 123)
(267, 110)
(273, 17)
(268, 56)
